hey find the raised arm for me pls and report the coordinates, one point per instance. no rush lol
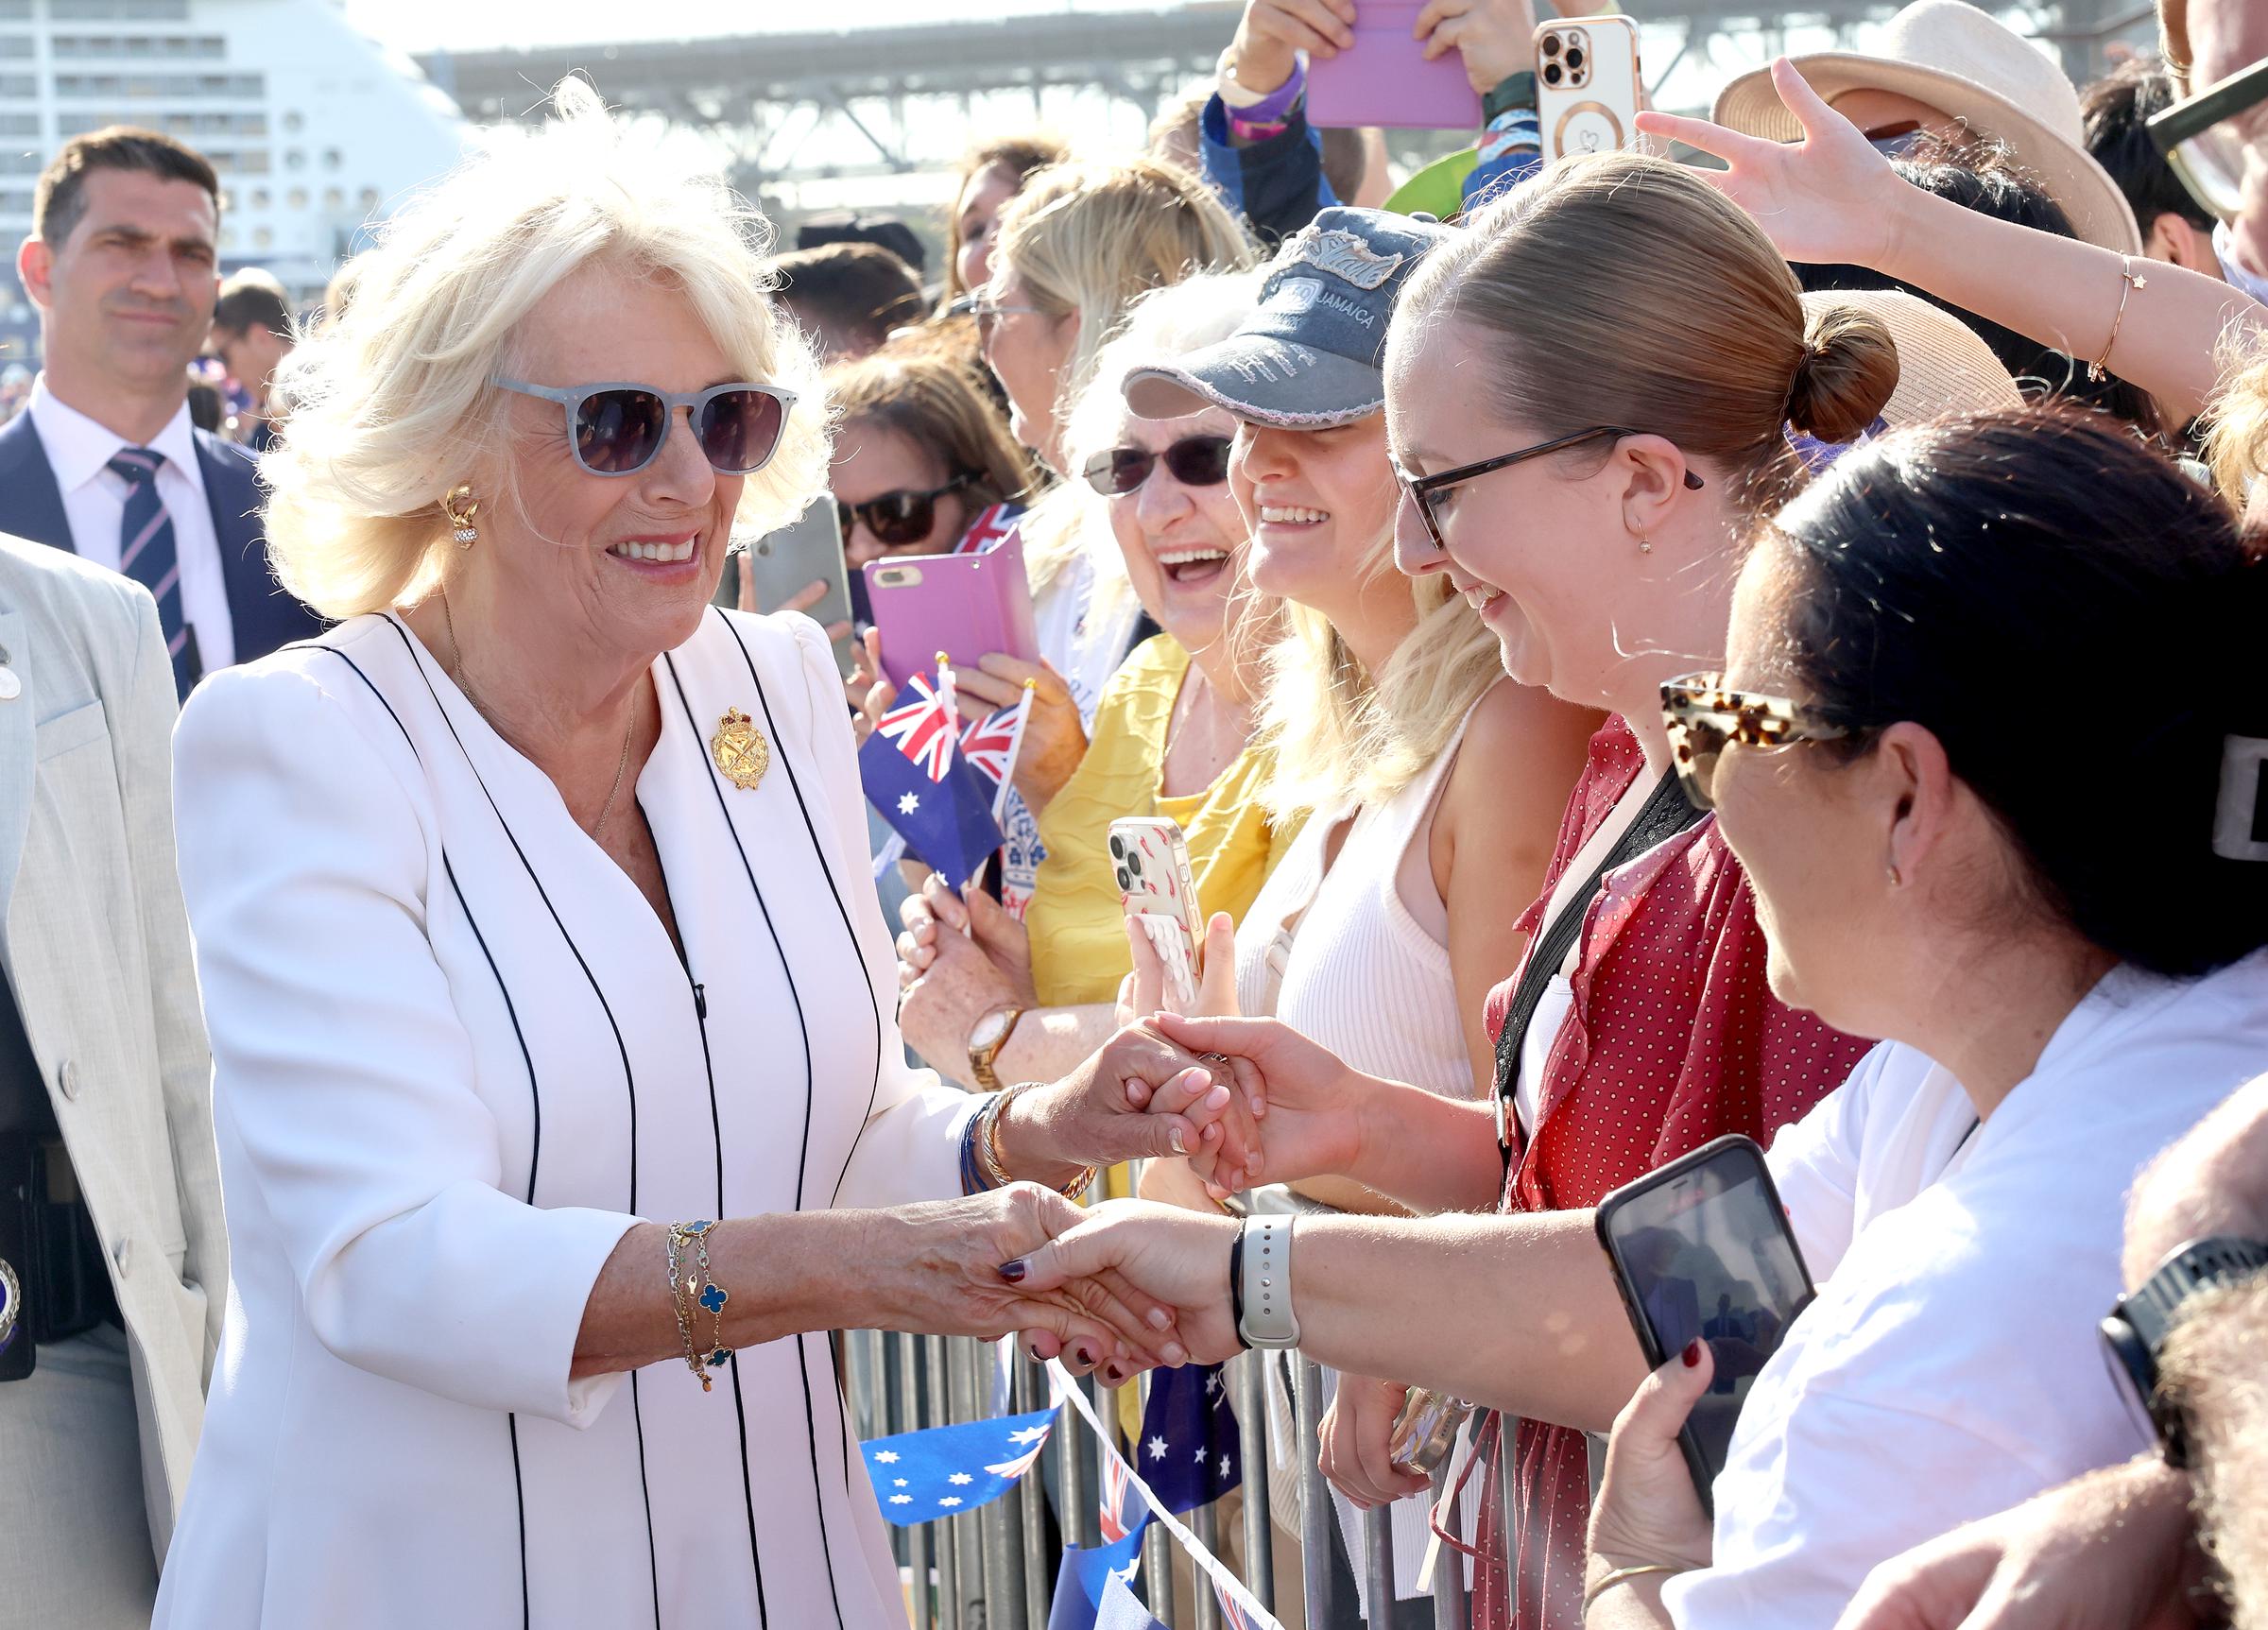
(1833, 197)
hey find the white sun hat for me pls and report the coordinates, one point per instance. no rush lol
(1975, 69)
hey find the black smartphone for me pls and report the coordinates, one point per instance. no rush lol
(1702, 1249)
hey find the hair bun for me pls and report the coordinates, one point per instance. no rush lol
(1845, 375)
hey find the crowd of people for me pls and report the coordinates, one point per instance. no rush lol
(1748, 634)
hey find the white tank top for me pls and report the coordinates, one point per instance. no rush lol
(1365, 977)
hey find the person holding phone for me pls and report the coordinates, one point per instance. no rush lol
(2063, 991)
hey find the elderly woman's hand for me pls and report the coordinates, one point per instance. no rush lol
(1138, 1097)
(1055, 738)
(935, 1269)
(1647, 1514)
(869, 693)
(960, 983)
(934, 910)
(1177, 1258)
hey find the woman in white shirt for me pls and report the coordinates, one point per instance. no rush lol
(1990, 751)
(541, 1073)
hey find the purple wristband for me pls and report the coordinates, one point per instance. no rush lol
(1267, 117)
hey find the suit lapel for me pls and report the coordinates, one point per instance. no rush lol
(32, 505)
(16, 746)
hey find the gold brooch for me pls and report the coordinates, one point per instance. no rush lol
(740, 750)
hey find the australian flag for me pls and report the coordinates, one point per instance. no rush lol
(914, 773)
(1085, 1575)
(920, 1476)
(1121, 1609)
(1189, 1453)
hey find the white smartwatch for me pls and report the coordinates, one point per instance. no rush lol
(1260, 1275)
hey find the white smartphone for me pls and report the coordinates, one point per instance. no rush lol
(807, 550)
(1587, 85)
(1150, 859)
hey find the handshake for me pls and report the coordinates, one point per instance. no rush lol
(1129, 1285)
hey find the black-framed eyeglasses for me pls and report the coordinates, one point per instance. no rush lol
(618, 427)
(1194, 461)
(1702, 716)
(2204, 138)
(900, 518)
(1419, 489)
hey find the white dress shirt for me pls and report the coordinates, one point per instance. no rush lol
(79, 451)
(455, 1058)
(1950, 1368)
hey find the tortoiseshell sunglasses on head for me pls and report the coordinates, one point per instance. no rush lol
(1702, 716)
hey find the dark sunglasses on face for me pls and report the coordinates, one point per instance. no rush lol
(1194, 461)
(897, 519)
(1702, 717)
(618, 428)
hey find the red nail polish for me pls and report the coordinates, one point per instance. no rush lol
(1693, 1352)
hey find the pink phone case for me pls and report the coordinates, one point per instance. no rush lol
(966, 605)
(1150, 859)
(1383, 79)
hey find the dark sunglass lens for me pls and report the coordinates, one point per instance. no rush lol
(1120, 470)
(738, 430)
(1200, 461)
(618, 431)
(900, 518)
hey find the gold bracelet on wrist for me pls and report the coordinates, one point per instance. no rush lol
(2099, 370)
(987, 1146)
(689, 1249)
(1623, 1576)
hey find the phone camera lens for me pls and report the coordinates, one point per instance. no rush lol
(1125, 884)
(1550, 44)
(1134, 863)
(1118, 848)
(1575, 56)
(1552, 75)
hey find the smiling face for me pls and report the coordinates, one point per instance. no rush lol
(1321, 506)
(873, 460)
(624, 563)
(126, 297)
(1543, 549)
(1184, 545)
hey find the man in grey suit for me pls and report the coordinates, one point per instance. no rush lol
(110, 1190)
(123, 263)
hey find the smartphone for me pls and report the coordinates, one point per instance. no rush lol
(782, 564)
(1150, 859)
(1586, 85)
(1383, 79)
(1702, 1249)
(966, 605)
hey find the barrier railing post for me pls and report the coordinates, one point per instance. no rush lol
(1206, 1523)
(999, 1523)
(1315, 1493)
(906, 1351)
(1448, 1563)
(1377, 1566)
(957, 1535)
(1038, 1579)
(1252, 1433)
(1077, 1472)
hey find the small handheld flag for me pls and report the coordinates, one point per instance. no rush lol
(942, 1472)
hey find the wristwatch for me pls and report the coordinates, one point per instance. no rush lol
(1260, 1276)
(987, 1037)
(2134, 1333)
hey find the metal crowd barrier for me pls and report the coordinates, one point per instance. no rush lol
(994, 1568)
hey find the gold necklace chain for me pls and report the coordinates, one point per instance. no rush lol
(457, 675)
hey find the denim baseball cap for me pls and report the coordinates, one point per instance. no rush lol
(1312, 354)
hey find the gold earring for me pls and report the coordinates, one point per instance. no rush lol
(1896, 881)
(460, 507)
(1644, 546)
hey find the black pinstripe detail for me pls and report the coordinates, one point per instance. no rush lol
(629, 1078)
(535, 1095)
(811, 1427)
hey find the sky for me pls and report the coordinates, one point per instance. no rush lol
(468, 25)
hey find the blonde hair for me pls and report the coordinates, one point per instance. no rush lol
(1089, 237)
(2211, 1369)
(2236, 438)
(392, 403)
(1684, 320)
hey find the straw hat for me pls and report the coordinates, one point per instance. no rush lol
(1975, 69)
(1944, 366)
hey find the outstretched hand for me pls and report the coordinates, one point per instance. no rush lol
(1163, 1255)
(1298, 1109)
(1139, 1096)
(1829, 199)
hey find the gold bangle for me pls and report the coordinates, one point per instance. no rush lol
(675, 1241)
(689, 1241)
(987, 1146)
(1623, 1576)
(2097, 370)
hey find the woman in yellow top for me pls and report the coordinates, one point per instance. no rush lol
(1172, 735)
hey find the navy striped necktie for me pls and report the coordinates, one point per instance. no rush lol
(147, 554)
